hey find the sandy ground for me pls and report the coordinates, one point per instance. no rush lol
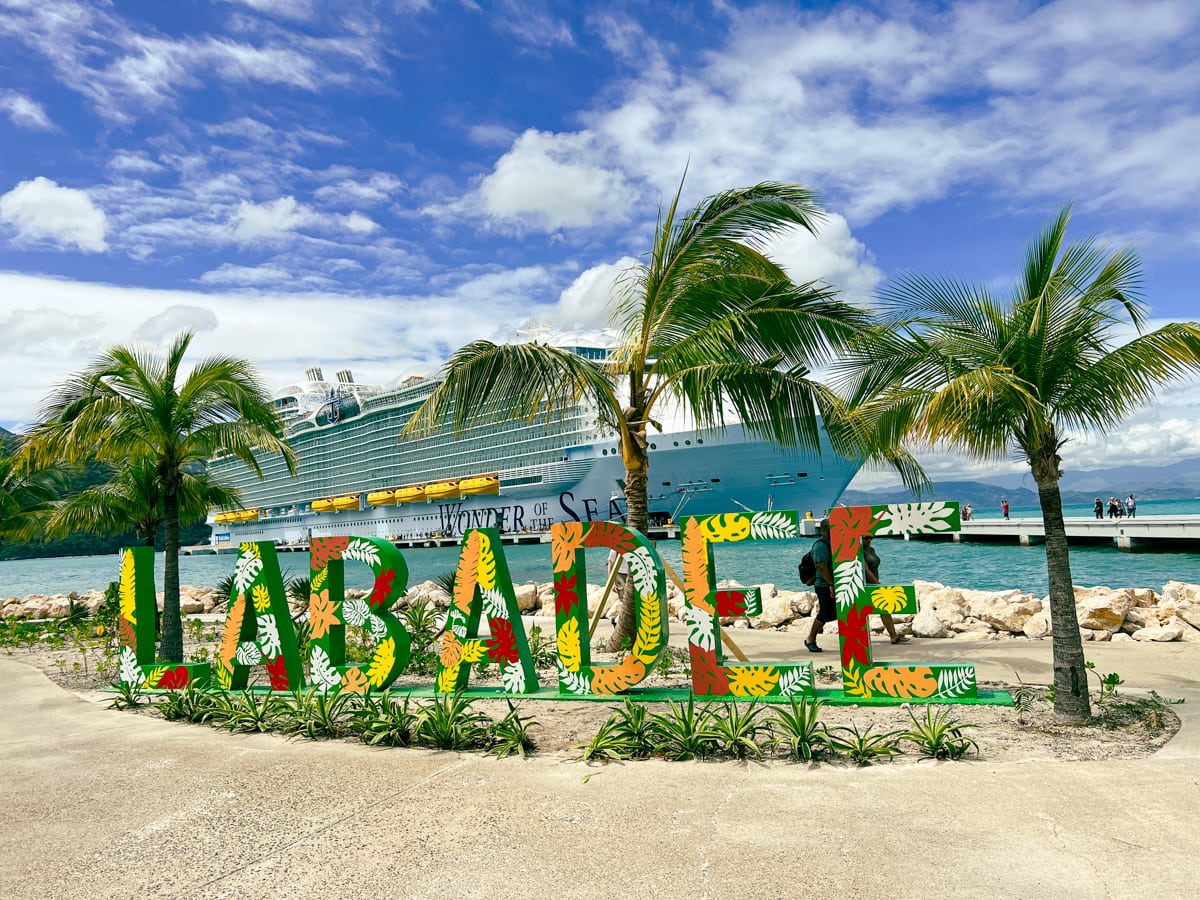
(1003, 734)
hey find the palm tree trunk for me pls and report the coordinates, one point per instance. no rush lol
(1071, 703)
(637, 516)
(171, 646)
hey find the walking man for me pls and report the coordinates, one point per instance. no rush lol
(822, 555)
(1004, 508)
(1131, 507)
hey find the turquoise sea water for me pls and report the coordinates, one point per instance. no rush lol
(983, 566)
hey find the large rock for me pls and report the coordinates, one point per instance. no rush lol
(1168, 632)
(1006, 613)
(926, 624)
(527, 596)
(1037, 625)
(1186, 631)
(1144, 597)
(946, 603)
(1102, 608)
(777, 610)
(1180, 592)
(1188, 612)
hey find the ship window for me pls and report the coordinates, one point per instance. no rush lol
(699, 440)
(689, 443)
(676, 443)
(654, 446)
(716, 481)
(666, 484)
(801, 474)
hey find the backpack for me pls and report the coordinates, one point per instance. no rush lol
(808, 568)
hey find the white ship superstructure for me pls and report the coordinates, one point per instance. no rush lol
(356, 477)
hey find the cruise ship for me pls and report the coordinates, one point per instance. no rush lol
(356, 477)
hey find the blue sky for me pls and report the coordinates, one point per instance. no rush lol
(373, 184)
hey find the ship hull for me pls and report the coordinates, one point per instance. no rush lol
(691, 473)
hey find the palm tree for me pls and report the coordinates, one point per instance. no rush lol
(707, 322)
(132, 405)
(26, 495)
(954, 365)
(133, 498)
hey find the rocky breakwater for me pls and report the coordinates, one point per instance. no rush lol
(1105, 614)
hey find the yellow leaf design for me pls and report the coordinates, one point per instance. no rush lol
(382, 662)
(649, 634)
(888, 599)
(752, 681)
(565, 540)
(261, 597)
(154, 676)
(852, 680)
(319, 578)
(128, 589)
(914, 681)
(727, 528)
(487, 563)
(473, 651)
(695, 566)
(447, 680)
(224, 678)
(568, 645)
(614, 679)
(252, 549)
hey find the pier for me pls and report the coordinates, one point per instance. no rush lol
(1172, 533)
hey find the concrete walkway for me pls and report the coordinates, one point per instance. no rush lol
(103, 804)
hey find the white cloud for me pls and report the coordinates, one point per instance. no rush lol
(230, 275)
(833, 256)
(268, 221)
(289, 9)
(42, 209)
(552, 181)
(174, 319)
(378, 188)
(25, 112)
(590, 299)
(359, 224)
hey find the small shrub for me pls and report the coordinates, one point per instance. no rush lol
(798, 731)
(381, 721)
(683, 732)
(1108, 683)
(543, 648)
(940, 736)
(633, 723)
(739, 729)
(607, 745)
(864, 747)
(190, 704)
(127, 695)
(511, 734)
(450, 723)
(248, 712)
(315, 714)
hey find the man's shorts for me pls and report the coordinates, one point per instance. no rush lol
(826, 608)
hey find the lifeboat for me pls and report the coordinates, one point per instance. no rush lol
(320, 506)
(349, 501)
(413, 493)
(382, 498)
(480, 484)
(246, 515)
(441, 489)
(222, 518)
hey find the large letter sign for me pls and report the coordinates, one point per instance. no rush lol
(482, 584)
(329, 612)
(258, 625)
(135, 626)
(577, 674)
(705, 605)
(858, 601)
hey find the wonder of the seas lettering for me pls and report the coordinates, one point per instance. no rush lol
(258, 628)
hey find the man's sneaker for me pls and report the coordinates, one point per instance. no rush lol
(812, 647)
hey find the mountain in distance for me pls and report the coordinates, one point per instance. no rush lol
(1177, 481)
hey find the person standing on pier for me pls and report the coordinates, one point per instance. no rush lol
(1098, 508)
(1004, 508)
(1131, 507)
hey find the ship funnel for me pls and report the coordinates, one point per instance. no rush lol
(345, 377)
(314, 374)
